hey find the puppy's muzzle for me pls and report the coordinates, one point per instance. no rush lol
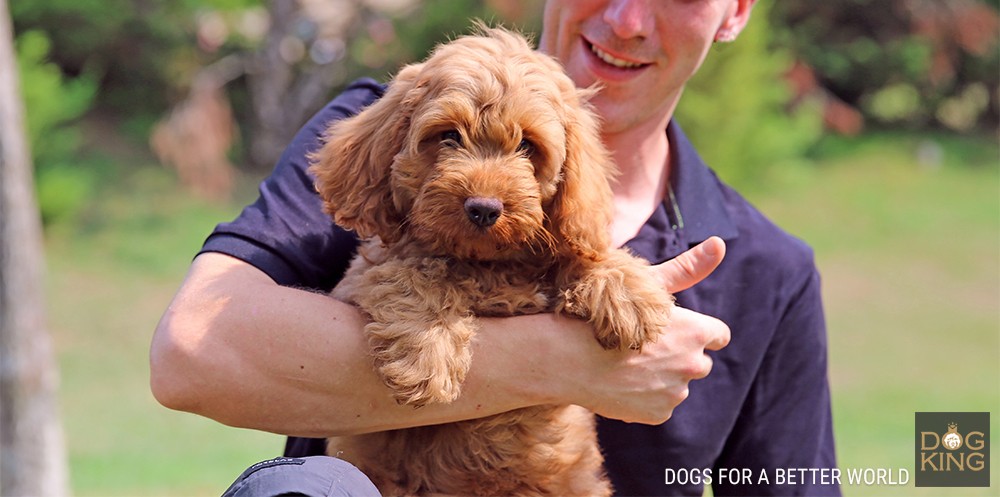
(483, 211)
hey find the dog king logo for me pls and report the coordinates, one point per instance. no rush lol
(952, 440)
(952, 449)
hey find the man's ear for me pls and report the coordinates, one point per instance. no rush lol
(735, 21)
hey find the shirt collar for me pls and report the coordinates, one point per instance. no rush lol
(697, 193)
(694, 210)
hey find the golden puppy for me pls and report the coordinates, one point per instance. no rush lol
(481, 187)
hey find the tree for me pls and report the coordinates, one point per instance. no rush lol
(911, 63)
(739, 98)
(31, 440)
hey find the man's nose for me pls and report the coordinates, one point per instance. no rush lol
(629, 18)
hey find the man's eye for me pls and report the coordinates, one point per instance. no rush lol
(451, 138)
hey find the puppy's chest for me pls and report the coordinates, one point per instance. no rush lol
(507, 289)
(482, 288)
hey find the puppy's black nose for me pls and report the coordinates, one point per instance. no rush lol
(483, 211)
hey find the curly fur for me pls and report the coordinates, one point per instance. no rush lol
(484, 117)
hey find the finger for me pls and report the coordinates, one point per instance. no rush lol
(704, 368)
(719, 337)
(687, 269)
(711, 333)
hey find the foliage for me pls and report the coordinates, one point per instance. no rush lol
(442, 20)
(902, 63)
(735, 108)
(314, 48)
(51, 100)
(52, 104)
(137, 47)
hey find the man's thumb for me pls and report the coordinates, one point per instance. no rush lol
(687, 269)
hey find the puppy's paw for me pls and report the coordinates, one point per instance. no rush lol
(418, 386)
(423, 368)
(633, 323)
(620, 297)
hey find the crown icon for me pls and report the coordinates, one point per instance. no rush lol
(952, 426)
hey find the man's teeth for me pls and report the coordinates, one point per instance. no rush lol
(610, 59)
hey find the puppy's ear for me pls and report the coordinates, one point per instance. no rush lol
(352, 168)
(582, 209)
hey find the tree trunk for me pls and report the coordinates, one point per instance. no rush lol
(32, 449)
(284, 93)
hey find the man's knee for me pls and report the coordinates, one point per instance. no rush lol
(318, 476)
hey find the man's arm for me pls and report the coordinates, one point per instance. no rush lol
(238, 348)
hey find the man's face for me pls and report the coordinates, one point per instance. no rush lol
(641, 52)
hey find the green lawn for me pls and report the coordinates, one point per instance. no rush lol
(910, 256)
(111, 275)
(910, 259)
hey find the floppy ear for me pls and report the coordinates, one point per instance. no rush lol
(582, 209)
(352, 168)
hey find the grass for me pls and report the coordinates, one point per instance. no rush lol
(112, 272)
(910, 256)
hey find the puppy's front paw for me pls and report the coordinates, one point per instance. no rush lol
(417, 383)
(422, 367)
(620, 298)
(632, 323)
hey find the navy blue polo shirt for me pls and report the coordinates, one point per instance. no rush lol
(759, 424)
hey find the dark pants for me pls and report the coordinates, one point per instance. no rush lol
(317, 476)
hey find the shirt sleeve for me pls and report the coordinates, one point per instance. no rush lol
(285, 232)
(785, 428)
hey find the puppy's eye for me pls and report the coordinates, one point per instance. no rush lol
(451, 138)
(527, 147)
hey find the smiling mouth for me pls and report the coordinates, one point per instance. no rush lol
(611, 59)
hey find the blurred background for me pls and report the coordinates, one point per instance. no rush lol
(869, 128)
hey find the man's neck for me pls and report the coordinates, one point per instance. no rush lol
(643, 161)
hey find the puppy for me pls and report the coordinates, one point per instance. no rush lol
(481, 186)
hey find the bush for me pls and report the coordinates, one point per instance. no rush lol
(142, 49)
(52, 103)
(735, 110)
(915, 65)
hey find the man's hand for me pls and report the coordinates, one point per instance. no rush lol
(238, 348)
(687, 269)
(646, 387)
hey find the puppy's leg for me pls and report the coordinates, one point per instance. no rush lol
(420, 329)
(620, 297)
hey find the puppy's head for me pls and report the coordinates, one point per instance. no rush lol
(484, 151)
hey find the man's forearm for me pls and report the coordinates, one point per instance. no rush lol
(238, 348)
(235, 347)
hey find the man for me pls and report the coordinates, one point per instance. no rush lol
(240, 344)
